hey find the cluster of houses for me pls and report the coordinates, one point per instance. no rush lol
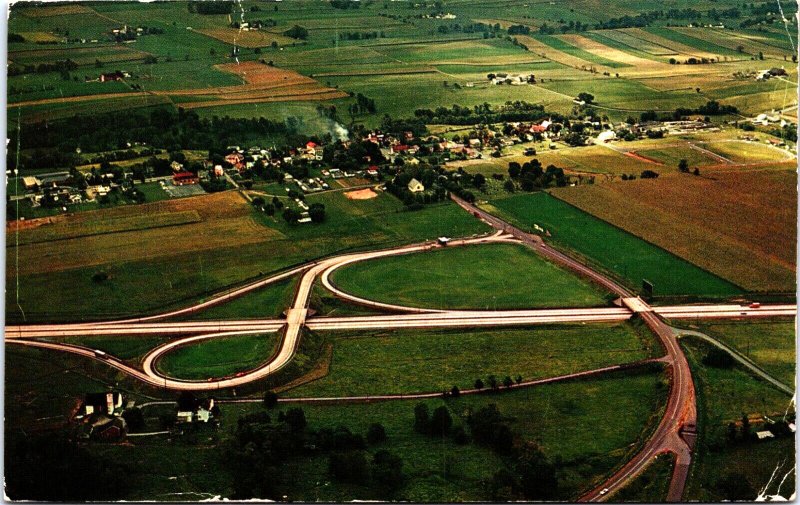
(100, 416)
(58, 189)
(511, 79)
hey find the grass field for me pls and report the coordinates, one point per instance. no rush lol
(770, 343)
(269, 301)
(613, 249)
(217, 357)
(739, 225)
(435, 360)
(493, 276)
(651, 485)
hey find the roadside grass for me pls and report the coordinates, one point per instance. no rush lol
(723, 396)
(652, 485)
(217, 357)
(626, 256)
(130, 348)
(412, 361)
(738, 225)
(268, 301)
(486, 276)
(768, 342)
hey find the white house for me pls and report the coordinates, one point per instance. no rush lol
(415, 186)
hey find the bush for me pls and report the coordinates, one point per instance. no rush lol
(348, 467)
(376, 433)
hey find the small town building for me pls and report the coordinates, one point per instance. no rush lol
(415, 186)
(100, 403)
(183, 178)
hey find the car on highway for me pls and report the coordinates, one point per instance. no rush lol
(604, 491)
(755, 305)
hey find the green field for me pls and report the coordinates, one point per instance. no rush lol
(389, 362)
(619, 252)
(217, 357)
(769, 343)
(492, 276)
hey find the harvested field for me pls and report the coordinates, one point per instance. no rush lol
(39, 37)
(80, 55)
(121, 234)
(545, 51)
(623, 37)
(609, 53)
(361, 194)
(738, 225)
(250, 39)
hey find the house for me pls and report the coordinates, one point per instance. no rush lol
(176, 167)
(218, 171)
(31, 183)
(399, 148)
(372, 171)
(415, 186)
(607, 136)
(100, 403)
(201, 411)
(312, 151)
(112, 76)
(234, 158)
(762, 435)
(183, 178)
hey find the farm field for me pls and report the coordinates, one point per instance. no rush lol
(492, 276)
(217, 357)
(627, 256)
(769, 343)
(751, 242)
(154, 273)
(396, 362)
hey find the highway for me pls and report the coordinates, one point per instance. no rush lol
(675, 432)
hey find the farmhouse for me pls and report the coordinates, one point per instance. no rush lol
(201, 411)
(182, 178)
(415, 186)
(100, 403)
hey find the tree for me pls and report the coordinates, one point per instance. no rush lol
(134, 418)
(649, 174)
(455, 392)
(519, 379)
(537, 475)
(696, 171)
(297, 32)
(479, 180)
(387, 470)
(348, 467)
(421, 418)
(296, 419)
(732, 431)
(509, 185)
(291, 216)
(745, 427)
(514, 169)
(735, 487)
(493, 382)
(683, 166)
(270, 399)
(317, 212)
(376, 433)
(478, 384)
(440, 422)
(507, 381)
(585, 97)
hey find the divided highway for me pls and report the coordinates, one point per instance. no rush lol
(675, 432)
